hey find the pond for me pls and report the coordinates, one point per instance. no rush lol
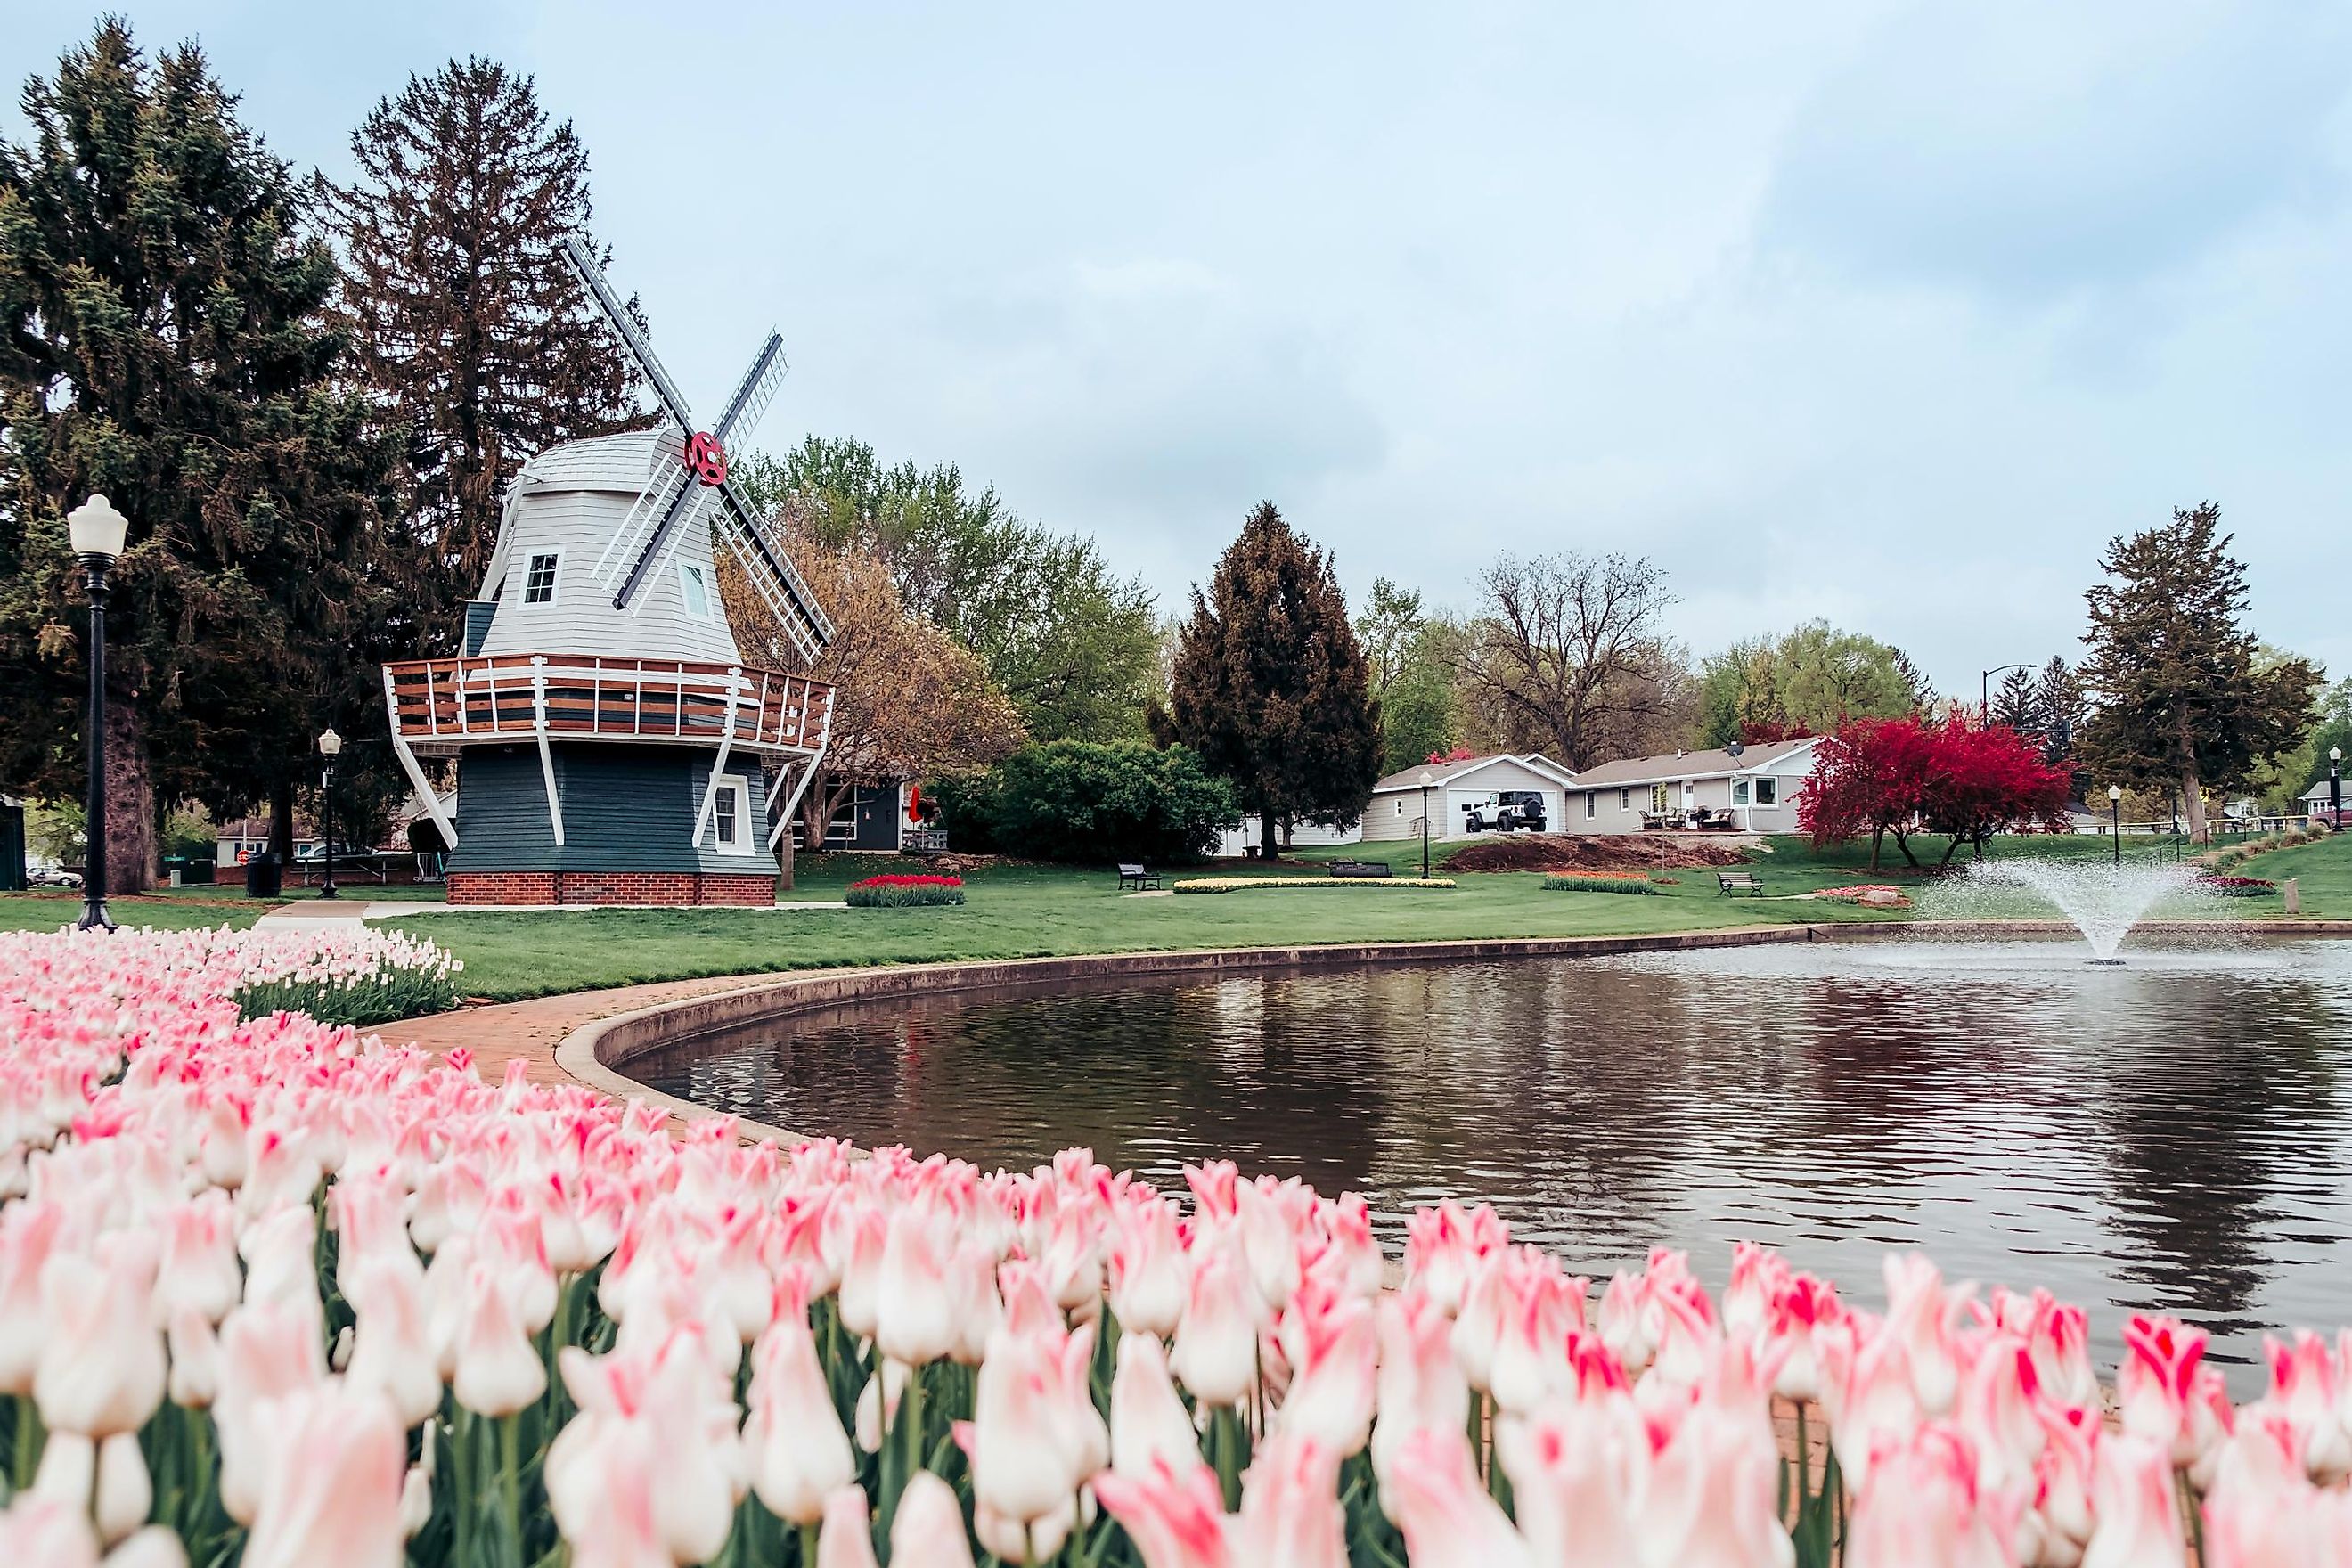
(2175, 1134)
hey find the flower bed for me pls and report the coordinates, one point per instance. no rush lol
(1599, 882)
(1243, 884)
(1878, 895)
(541, 1329)
(898, 892)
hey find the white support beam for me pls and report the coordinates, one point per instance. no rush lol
(783, 822)
(415, 769)
(546, 758)
(719, 763)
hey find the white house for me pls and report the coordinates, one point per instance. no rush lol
(2315, 799)
(1756, 789)
(1456, 789)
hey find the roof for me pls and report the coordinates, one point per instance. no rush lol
(622, 462)
(1448, 772)
(1669, 766)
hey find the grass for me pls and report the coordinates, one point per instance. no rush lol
(1019, 911)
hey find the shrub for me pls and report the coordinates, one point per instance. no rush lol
(1599, 882)
(1241, 884)
(2236, 887)
(899, 892)
(1095, 805)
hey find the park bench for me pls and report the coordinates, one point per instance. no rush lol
(1729, 882)
(1137, 878)
(1360, 869)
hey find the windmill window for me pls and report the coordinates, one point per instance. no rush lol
(694, 590)
(538, 578)
(729, 816)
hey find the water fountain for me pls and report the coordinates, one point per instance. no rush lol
(2103, 900)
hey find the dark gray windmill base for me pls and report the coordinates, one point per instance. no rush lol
(629, 813)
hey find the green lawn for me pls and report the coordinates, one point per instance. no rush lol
(1026, 911)
(177, 909)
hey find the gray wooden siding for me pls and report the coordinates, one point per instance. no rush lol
(580, 524)
(625, 808)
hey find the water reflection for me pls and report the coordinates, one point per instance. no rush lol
(2169, 1135)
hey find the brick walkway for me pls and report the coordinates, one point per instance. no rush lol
(531, 1030)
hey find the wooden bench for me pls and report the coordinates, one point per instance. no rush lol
(1137, 878)
(1360, 869)
(1729, 882)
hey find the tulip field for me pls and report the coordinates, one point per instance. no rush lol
(277, 1293)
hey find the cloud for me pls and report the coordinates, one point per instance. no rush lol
(2028, 149)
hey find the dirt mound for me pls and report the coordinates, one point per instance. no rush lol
(1593, 852)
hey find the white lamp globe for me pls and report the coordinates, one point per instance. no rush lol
(330, 744)
(2115, 792)
(97, 528)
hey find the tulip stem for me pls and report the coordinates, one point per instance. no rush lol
(1224, 1453)
(808, 1546)
(510, 1478)
(26, 1459)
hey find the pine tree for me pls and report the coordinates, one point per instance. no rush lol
(1271, 687)
(163, 340)
(2013, 705)
(2057, 711)
(473, 331)
(2180, 698)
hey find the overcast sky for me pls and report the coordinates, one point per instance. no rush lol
(1890, 313)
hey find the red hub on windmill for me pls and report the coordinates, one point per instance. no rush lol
(707, 457)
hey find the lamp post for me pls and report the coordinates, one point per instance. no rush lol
(2115, 817)
(1984, 689)
(331, 745)
(1427, 778)
(2335, 789)
(97, 531)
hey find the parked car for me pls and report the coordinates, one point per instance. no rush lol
(1506, 810)
(51, 877)
(309, 857)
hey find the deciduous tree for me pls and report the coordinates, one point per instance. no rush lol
(1271, 686)
(1412, 677)
(908, 701)
(1869, 776)
(1569, 655)
(1804, 682)
(1073, 644)
(164, 340)
(1984, 779)
(473, 333)
(2179, 697)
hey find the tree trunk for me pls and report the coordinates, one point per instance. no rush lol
(1268, 834)
(281, 821)
(130, 802)
(2192, 794)
(1877, 838)
(785, 839)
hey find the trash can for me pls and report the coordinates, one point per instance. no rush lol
(263, 874)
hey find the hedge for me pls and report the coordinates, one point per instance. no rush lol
(1242, 884)
(1599, 882)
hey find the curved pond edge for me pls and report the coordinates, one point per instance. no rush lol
(597, 1054)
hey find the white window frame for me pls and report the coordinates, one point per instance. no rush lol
(1739, 792)
(1591, 804)
(738, 789)
(688, 573)
(554, 580)
(1768, 781)
(1399, 806)
(1625, 798)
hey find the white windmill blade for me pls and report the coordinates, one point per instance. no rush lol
(669, 477)
(583, 262)
(755, 392)
(773, 575)
(688, 509)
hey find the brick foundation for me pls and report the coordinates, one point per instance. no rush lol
(754, 888)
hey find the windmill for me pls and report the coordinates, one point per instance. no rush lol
(600, 676)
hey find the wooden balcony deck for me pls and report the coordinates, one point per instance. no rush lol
(439, 706)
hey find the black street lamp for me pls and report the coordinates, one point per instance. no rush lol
(1984, 689)
(97, 531)
(1427, 778)
(2335, 789)
(2115, 814)
(331, 745)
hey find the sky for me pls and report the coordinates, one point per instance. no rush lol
(1890, 313)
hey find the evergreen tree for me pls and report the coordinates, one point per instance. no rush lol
(2015, 704)
(1915, 684)
(2180, 696)
(163, 340)
(2058, 712)
(473, 331)
(1271, 687)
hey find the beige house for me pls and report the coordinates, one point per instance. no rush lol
(1755, 790)
(1456, 791)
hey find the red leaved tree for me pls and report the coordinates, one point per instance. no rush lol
(1897, 776)
(1987, 779)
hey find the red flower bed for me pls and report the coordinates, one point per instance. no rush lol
(894, 891)
(895, 879)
